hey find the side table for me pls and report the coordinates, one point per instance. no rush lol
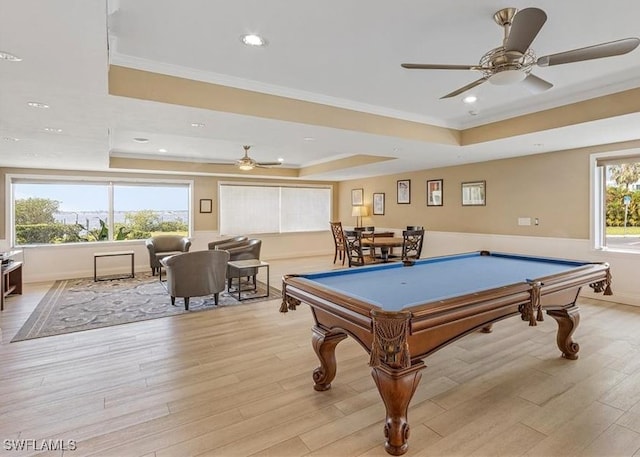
(235, 271)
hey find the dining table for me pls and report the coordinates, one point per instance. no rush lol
(385, 244)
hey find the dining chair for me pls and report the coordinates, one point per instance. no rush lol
(368, 233)
(338, 241)
(412, 244)
(355, 254)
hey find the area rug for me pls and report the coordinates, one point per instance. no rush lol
(81, 304)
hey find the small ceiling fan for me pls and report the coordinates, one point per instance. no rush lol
(246, 163)
(513, 61)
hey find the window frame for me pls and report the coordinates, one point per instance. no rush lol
(597, 199)
(109, 181)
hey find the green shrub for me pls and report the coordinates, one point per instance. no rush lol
(616, 208)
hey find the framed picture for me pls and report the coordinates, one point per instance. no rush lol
(474, 193)
(206, 205)
(357, 197)
(434, 192)
(378, 204)
(404, 191)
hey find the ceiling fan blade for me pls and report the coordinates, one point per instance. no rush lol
(524, 28)
(268, 164)
(427, 66)
(535, 84)
(465, 88)
(598, 51)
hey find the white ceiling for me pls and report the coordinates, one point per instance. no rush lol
(334, 52)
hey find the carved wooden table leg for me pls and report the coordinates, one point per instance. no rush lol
(568, 320)
(324, 343)
(396, 388)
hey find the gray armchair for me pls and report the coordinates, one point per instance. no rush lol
(242, 250)
(163, 246)
(195, 274)
(235, 239)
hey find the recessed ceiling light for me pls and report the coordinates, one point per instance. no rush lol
(280, 159)
(197, 124)
(52, 130)
(37, 105)
(470, 99)
(10, 138)
(8, 56)
(162, 150)
(252, 39)
(141, 140)
(309, 138)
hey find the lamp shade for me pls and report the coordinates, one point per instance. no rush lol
(359, 211)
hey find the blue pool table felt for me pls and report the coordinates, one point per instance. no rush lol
(394, 287)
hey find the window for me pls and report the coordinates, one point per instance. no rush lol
(617, 202)
(273, 209)
(55, 211)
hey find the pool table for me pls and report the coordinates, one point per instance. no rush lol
(402, 313)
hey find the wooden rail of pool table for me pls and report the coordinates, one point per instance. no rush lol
(396, 359)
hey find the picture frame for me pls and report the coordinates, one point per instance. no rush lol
(474, 193)
(206, 205)
(378, 204)
(403, 192)
(435, 192)
(357, 197)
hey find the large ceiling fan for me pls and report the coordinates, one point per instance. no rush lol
(513, 61)
(246, 163)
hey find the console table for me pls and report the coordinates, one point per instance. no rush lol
(112, 254)
(11, 281)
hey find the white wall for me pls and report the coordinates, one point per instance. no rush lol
(624, 266)
(47, 263)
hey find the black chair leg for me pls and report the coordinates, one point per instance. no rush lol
(173, 301)
(335, 255)
(186, 303)
(215, 298)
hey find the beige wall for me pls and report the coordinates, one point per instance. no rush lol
(552, 187)
(204, 187)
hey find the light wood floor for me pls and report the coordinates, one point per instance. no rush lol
(237, 381)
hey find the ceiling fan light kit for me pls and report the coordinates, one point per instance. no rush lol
(512, 62)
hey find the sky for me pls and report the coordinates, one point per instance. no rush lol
(81, 197)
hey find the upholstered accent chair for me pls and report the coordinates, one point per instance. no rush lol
(195, 274)
(161, 246)
(242, 250)
(235, 239)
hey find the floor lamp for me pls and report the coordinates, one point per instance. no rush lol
(358, 212)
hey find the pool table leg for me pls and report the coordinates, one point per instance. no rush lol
(568, 320)
(396, 387)
(324, 343)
